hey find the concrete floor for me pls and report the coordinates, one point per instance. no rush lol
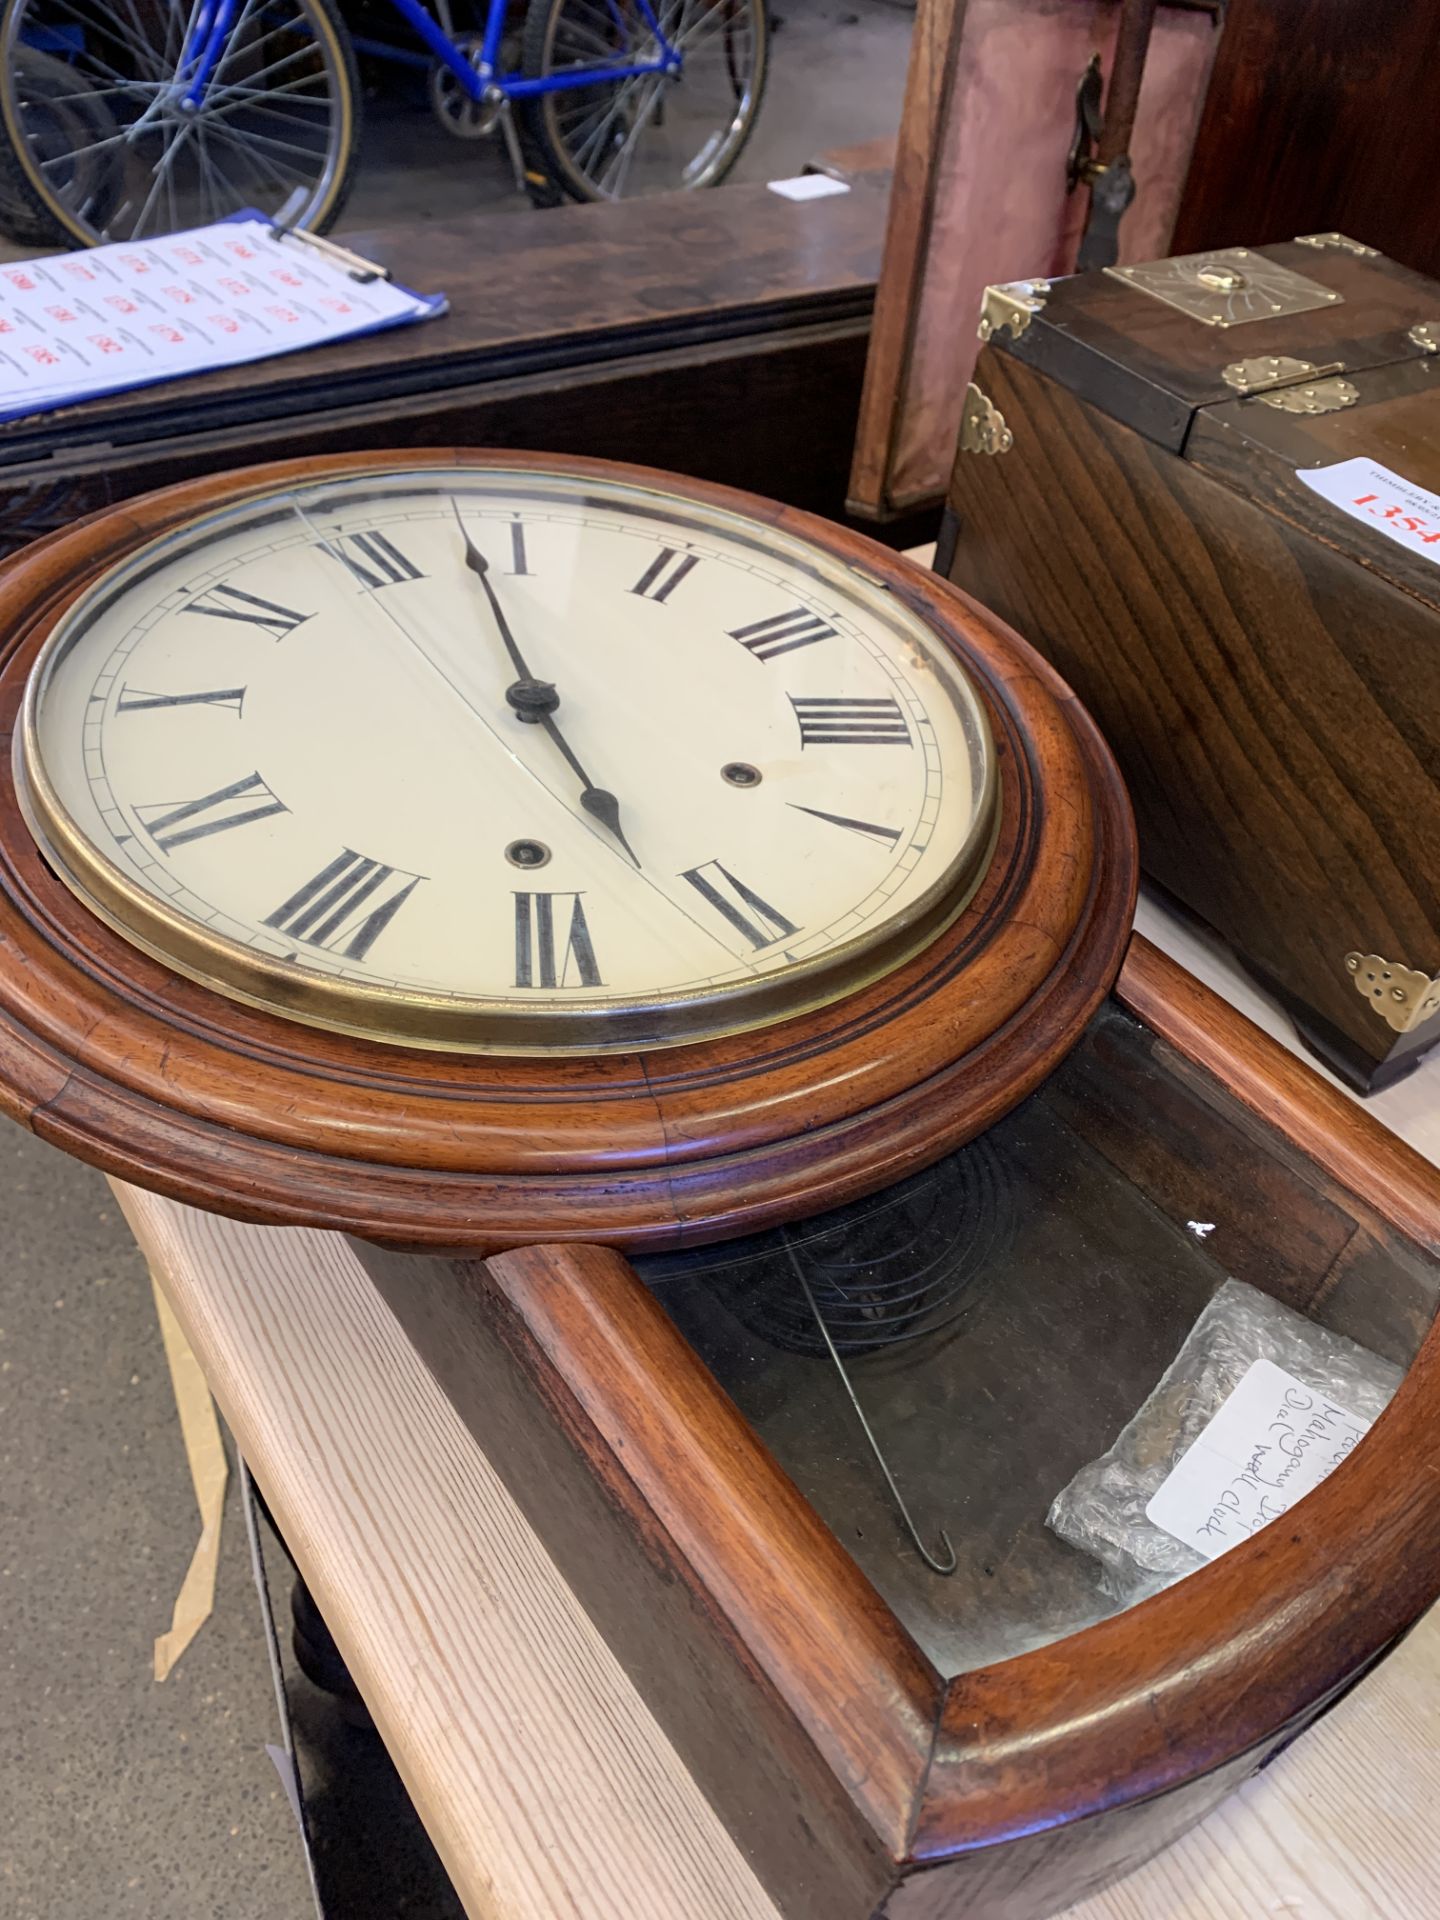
(837, 74)
(125, 1799)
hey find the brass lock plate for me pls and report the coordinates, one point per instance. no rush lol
(1227, 288)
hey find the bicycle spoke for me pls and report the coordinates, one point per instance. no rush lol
(612, 139)
(265, 140)
(72, 154)
(102, 21)
(267, 36)
(97, 93)
(612, 181)
(608, 34)
(209, 211)
(172, 213)
(227, 195)
(234, 39)
(290, 88)
(160, 171)
(178, 37)
(95, 63)
(260, 168)
(142, 39)
(275, 66)
(96, 87)
(623, 92)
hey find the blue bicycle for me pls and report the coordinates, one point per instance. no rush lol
(120, 118)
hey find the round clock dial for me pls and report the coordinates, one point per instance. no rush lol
(507, 760)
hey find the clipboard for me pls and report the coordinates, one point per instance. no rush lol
(103, 320)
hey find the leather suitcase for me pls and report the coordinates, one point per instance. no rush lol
(981, 193)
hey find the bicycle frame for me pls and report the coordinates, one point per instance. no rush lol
(212, 21)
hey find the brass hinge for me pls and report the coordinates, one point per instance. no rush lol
(1401, 996)
(1011, 305)
(1340, 242)
(1292, 386)
(982, 425)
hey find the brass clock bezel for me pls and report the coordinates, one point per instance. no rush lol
(479, 1024)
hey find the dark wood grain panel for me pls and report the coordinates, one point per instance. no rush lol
(1320, 117)
(672, 335)
(578, 287)
(1260, 453)
(707, 410)
(793, 1694)
(1263, 694)
(1150, 365)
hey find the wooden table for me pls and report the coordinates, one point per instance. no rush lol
(544, 1781)
(672, 332)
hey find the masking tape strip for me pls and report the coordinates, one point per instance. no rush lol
(209, 1472)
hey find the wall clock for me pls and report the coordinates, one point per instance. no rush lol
(478, 852)
(482, 851)
(471, 849)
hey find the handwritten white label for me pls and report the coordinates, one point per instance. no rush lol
(1378, 498)
(1272, 1442)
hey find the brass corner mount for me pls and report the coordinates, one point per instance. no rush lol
(1009, 306)
(982, 425)
(1402, 996)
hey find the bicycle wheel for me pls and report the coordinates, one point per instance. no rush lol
(652, 133)
(97, 142)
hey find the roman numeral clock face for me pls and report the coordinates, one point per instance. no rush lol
(507, 760)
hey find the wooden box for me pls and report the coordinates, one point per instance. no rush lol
(670, 332)
(1264, 662)
(999, 1742)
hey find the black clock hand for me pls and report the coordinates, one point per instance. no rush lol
(537, 700)
(480, 567)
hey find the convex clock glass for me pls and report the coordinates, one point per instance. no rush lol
(508, 760)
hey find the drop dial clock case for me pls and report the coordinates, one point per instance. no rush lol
(478, 852)
(468, 849)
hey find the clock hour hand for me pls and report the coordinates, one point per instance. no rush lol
(538, 700)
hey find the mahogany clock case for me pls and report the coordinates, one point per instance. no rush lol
(999, 1743)
(124, 1063)
(1265, 667)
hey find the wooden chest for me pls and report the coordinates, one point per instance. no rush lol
(1213, 500)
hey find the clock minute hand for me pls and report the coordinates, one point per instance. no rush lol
(537, 701)
(480, 567)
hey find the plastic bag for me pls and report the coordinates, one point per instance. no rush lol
(1102, 1510)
